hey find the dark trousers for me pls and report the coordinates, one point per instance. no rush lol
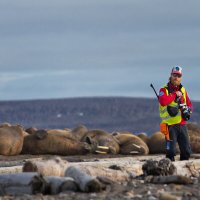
(178, 133)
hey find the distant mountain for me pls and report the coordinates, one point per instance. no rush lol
(108, 113)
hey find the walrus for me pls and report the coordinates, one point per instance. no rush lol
(79, 132)
(101, 139)
(64, 132)
(156, 143)
(42, 142)
(31, 130)
(144, 137)
(11, 140)
(193, 127)
(61, 132)
(131, 144)
(5, 124)
(194, 135)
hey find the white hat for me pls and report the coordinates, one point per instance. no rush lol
(177, 70)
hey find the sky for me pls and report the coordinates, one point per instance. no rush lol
(86, 48)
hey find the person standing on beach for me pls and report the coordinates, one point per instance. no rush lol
(175, 109)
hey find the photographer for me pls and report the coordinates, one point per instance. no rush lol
(175, 109)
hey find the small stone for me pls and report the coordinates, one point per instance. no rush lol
(124, 184)
(93, 195)
(168, 196)
(139, 196)
(151, 198)
(141, 181)
(129, 195)
(187, 193)
(149, 193)
(195, 180)
(132, 175)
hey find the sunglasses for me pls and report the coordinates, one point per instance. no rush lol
(176, 75)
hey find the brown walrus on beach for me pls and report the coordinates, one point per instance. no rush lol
(131, 144)
(157, 143)
(11, 140)
(144, 137)
(44, 142)
(79, 132)
(194, 134)
(100, 139)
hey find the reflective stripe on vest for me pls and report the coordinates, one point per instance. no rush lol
(165, 117)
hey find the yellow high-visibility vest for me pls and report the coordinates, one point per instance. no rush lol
(164, 115)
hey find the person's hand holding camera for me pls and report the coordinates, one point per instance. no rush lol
(179, 96)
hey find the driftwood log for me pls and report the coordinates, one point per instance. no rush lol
(9, 170)
(52, 167)
(117, 169)
(22, 183)
(60, 184)
(176, 179)
(86, 183)
(113, 169)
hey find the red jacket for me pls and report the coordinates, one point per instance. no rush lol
(165, 99)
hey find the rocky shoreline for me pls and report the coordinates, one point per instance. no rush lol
(137, 187)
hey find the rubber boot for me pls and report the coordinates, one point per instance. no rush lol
(171, 158)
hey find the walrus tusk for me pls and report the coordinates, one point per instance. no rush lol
(134, 152)
(102, 147)
(101, 152)
(139, 147)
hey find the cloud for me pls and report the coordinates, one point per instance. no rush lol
(94, 47)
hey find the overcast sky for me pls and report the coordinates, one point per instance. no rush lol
(76, 48)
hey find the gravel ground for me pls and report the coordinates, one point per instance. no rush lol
(137, 188)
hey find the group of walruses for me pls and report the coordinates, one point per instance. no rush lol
(15, 139)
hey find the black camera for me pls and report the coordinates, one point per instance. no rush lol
(186, 111)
